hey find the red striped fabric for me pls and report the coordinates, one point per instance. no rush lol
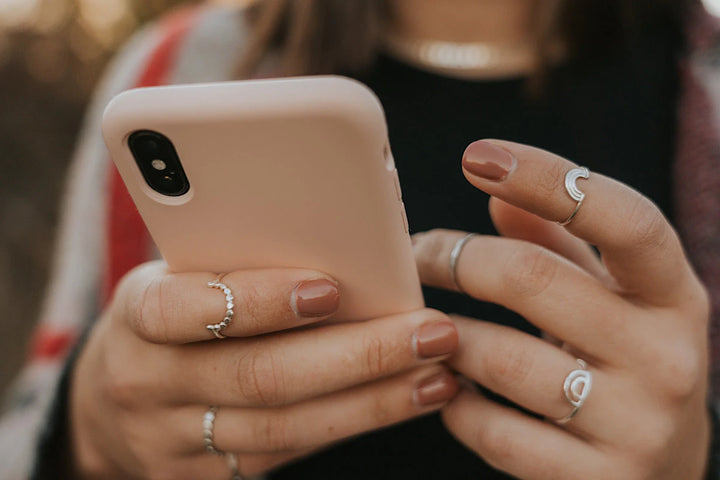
(50, 344)
(128, 239)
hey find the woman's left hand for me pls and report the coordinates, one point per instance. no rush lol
(638, 318)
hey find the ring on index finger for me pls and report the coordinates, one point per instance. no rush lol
(571, 178)
(217, 328)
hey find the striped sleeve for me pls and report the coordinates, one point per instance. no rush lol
(71, 301)
(189, 45)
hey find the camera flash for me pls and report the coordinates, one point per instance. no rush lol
(158, 165)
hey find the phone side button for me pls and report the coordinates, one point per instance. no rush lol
(404, 218)
(396, 181)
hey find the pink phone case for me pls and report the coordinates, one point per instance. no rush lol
(282, 173)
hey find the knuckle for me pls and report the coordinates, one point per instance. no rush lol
(681, 370)
(699, 303)
(161, 472)
(431, 252)
(260, 377)
(510, 366)
(251, 306)
(272, 433)
(374, 364)
(435, 242)
(452, 417)
(704, 304)
(530, 271)
(123, 388)
(652, 441)
(647, 226)
(145, 314)
(500, 446)
(381, 411)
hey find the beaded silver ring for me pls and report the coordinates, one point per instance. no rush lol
(209, 441)
(217, 328)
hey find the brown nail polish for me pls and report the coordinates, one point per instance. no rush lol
(485, 160)
(316, 298)
(434, 390)
(435, 339)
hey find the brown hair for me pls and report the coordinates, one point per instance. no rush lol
(331, 36)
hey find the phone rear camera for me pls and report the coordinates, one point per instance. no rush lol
(159, 163)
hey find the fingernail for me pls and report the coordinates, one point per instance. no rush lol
(435, 339)
(315, 298)
(437, 389)
(485, 160)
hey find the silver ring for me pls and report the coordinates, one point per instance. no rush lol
(577, 387)
(232, 462)
(455, 256)
(572, 190)
(209, 441)
(208, 427)
(217, 328)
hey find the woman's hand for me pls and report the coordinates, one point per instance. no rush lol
(638, 318)
(151, 369)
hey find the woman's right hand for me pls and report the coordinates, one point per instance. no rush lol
(150, 371)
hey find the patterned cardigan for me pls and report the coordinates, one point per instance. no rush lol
(101, 236)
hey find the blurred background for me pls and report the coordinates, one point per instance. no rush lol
(51, 54)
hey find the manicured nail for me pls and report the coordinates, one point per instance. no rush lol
(437, 389)
(488, 161)
(315, 298)
(435, 339)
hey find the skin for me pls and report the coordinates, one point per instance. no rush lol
(638, 317)
(150, 370)
(505, 22)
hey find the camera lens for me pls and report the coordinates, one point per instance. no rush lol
(159, 163)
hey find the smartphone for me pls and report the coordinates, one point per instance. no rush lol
(293, 172)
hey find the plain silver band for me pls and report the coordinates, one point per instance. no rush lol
(567, 418)
(581, 374)
(572, 215)
(208, 440)
(455, 256)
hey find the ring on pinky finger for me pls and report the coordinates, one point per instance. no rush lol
(518, 444)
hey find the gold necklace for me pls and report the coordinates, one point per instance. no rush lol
(475, 60)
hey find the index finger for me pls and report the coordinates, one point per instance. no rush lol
(176, 308)
(639, 247)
